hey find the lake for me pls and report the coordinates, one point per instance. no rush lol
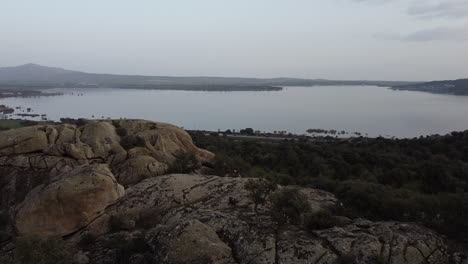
(372, 110)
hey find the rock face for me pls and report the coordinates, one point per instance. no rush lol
(189, 218)
(68, 204)
(188, 242)
(133, 149)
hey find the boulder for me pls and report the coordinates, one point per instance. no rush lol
(188, 242)
(23, 140)
(37, 155)
(134, 149)
(71, 203)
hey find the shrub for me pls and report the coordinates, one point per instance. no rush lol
(259, 190)
(288, 205)
(122, 132)
(322, 219)
(185, 162)
(125, 247)
(130, 142)
(34, 250)
(87, 240)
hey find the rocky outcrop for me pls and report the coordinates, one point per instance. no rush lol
(133, 149)
(69, 203)
(175, 209)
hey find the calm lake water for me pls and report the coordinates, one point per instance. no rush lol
(372, 110)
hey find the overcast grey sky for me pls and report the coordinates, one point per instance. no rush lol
(335, 39)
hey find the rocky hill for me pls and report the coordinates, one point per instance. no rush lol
(34, 75)
(115, 191)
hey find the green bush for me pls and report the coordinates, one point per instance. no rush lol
(34, 250)
(320, 220)
(289, 205)
(259, 191)
(185, 162)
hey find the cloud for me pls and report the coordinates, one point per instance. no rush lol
(429, 9)
(432, 34)
(439, 9)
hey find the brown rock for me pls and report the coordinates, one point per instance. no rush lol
(68, 204)
(23, 140)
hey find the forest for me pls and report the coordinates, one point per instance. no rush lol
(421, 180)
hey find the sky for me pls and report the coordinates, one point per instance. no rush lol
(415, 40)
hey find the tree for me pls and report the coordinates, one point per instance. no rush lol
(248, 131)
(259, 190)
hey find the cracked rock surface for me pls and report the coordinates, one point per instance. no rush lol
(225, 233)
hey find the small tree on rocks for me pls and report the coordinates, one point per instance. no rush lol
(259, 191)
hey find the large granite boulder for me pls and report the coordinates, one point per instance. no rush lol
(133, 149)
(23, 140)
(68, 204)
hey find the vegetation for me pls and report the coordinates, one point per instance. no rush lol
(130, 142)
(320, 220)
(421, 179)
(289, 205)
(34, 250)
(185, 162)
(125, 247)
(259, 191)
(15, 123)
(457, 87)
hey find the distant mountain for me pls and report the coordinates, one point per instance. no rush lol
(456, 87)
(34, 75)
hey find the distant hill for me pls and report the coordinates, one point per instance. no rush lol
(34, 75)
(456, 87)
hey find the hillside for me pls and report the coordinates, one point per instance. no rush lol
(456, 87)
(33, 75)
(140, 192)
